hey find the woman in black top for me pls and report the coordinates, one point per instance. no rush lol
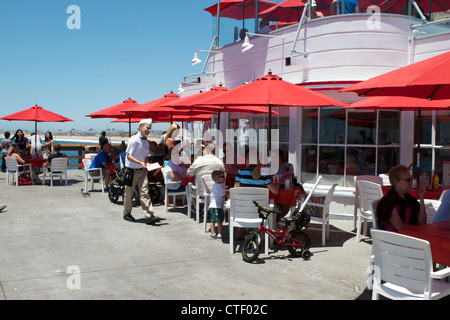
(398, 208)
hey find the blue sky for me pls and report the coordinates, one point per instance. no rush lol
(135, 48)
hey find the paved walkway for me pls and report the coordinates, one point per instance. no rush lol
(57, 244)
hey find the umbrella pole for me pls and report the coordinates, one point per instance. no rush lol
(35, 136)
(270, 128)
(419, 134)
(218, 121)
(129, 125)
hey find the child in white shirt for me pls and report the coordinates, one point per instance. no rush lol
(215, 209)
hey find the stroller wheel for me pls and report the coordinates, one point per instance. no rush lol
(134, 198)
(113, 194)
(154, 192)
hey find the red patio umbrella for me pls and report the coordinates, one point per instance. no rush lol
(272, 91)
(153, 109)
(403, 104)
(194, 102)
(425, 79)
(286, 11)
(115, 111)
(239, 9)
(36, 114)
(203, 117)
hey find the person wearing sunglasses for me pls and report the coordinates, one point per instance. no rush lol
(398, 208)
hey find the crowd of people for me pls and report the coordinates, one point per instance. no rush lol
(22, 149)
(396, 210)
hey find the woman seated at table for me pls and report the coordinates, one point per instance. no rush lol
(398, 209)
(13, 152)
(175, 172)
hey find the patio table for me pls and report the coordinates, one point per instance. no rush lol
(429, 194)
(438, 235)
(35, 163)
(286, 196)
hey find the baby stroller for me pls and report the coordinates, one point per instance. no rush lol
(117, 188)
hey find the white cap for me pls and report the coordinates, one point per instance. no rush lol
(146, 121)
(313, 3)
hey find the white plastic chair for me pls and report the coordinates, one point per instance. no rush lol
(385, 178)
(368, 192)
(325, 219)
(431, 207)
(373, 210)
(404, 268)
(207, 184)
(88, 177)
(168, 182)
(196, 192)
(58, 167)
(90, 156)
(376, 179)
(12, 169)
(244, 213)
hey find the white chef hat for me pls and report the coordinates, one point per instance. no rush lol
(145, 121)
(313, 3)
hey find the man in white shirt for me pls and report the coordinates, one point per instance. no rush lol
(36, 145)
(136, 161)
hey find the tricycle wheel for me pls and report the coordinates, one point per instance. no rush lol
(306, 254)
(302, 241)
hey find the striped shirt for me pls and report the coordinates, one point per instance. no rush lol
(244, 177)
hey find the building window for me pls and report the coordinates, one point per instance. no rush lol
(340, 144)
(434, 143)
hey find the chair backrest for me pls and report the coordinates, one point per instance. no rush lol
(87, 163)
(59, 164)
(11, 164)
(385, 178)
(373, 210)
(207, 183)
(90, 156)
(368, 192)
(375, 179)
(329, 196)
(402, 260)
(241, 202)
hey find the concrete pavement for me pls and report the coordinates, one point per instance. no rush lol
(57, 244)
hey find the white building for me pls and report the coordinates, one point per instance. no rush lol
(327, 54)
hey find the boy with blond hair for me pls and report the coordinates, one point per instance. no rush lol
(215, 209)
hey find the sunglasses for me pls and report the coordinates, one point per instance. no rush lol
(408, 180)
